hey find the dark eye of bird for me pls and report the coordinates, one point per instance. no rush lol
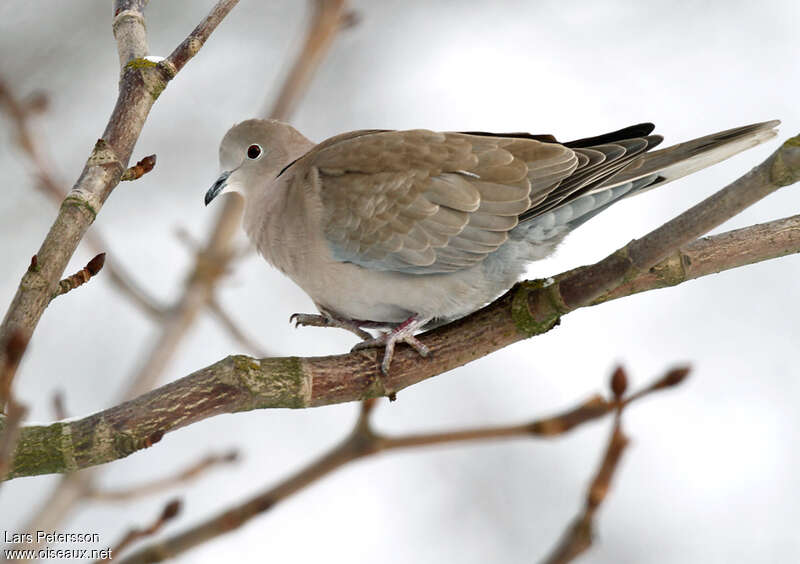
(253, 151)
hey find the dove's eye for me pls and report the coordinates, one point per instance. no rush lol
(253, 152)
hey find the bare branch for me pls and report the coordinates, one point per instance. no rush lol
(361, 442)
(129, 30)
(213, 258)
(192, 44)
(20, 113)
(170, 511)
(580, 534)
(142, 81)
(186, 475)
(710, 255)
(327, 19)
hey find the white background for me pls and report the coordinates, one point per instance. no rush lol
(712, 472)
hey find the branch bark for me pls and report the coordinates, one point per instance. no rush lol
(241, 383)
(363, 441)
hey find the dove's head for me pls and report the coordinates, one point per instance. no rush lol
(253, 153)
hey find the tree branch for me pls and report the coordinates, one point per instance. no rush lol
(327, 19)
(580, 533)
(212, 261)
(166, 483)
(170, 511)
(141, 83)
(240, 383)
(363, 441)
(20, 112)
(81, 277)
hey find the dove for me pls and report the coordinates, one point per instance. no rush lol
(404, 230)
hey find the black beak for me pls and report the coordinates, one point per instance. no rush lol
(218, 186)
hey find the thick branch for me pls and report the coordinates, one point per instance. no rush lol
(140, 85)
(364, 441)
(710, 255)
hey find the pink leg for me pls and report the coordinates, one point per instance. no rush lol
(403, 333)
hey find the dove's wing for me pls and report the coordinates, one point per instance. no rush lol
(426, 202)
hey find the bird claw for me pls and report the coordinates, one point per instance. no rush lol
(404, 333)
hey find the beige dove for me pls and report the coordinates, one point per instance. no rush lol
(401, 230)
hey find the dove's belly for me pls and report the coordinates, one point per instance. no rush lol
(356, 292)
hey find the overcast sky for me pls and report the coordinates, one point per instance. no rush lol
(712, 472)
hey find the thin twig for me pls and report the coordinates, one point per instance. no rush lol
(140, 168)
(361, 442)
(580, 533)
(186, 475)
(20, 113)
(327, 19)
(170, 511)
(81, 277)
(192, 44)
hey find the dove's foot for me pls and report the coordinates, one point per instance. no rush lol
(403, 333)
(313, 320)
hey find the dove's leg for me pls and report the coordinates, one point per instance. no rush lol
(403, 333)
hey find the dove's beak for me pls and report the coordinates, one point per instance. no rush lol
(218, 186)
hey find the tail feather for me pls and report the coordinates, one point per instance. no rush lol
(682, 159)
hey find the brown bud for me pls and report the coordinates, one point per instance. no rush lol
(96, 264)
(673, 377)
(619, 382)
(171, 510)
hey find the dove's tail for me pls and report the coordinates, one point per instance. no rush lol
(643, 173)
(685, 158)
